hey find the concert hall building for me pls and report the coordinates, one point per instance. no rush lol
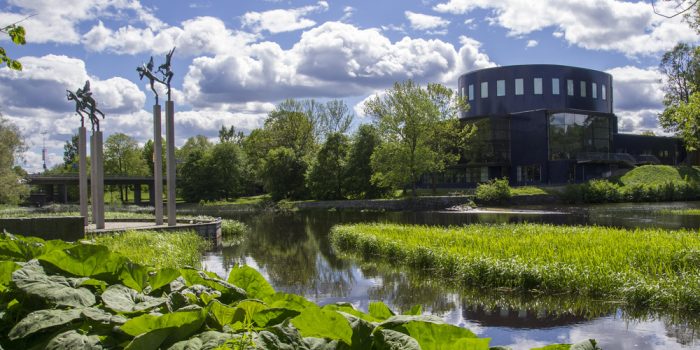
(548, 124)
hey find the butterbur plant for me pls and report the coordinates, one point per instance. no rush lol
(58, 295)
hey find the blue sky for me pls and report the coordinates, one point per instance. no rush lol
(236, 59)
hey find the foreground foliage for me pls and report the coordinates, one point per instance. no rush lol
(58, 295)
(649, 268)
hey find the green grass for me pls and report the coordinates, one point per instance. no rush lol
(232, 229)
(158, 249)
(644, 268)
(680, 211)
(251, 200)
(659, 174)
(527, 191)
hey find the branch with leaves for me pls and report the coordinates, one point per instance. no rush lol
(16, 33)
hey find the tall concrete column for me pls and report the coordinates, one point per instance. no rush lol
(99, 183)
(93, 178)
(158, 165)
(82, 177)
(170, 162)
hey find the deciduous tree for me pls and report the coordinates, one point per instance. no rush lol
(123, 156)
(16, 33)
(358, 173)
(12, 188)
(681, 66)
(326, 178)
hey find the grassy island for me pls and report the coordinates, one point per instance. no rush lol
(644, 268)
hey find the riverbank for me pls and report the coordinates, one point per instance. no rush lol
(648, 268)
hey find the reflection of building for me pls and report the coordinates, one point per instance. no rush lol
(519, 318)
(548, 124)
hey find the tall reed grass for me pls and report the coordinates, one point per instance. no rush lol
(651, 268)
(158, 249)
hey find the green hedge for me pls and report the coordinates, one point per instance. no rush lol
(604, 191)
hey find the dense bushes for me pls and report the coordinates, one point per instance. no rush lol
(603, 191)
(493, 191)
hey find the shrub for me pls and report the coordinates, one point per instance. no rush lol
(233, 228)
(493, 191)
(601, 191)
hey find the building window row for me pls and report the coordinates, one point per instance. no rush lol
(537, 88)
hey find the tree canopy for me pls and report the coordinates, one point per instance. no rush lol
(16, 34)
(681, 66)
(11, 145)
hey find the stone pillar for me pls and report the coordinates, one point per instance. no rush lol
(82, 180)
(170, 165)
(151, 193)
(157, 194)
(93, 178)
(99, 183)
(137, 194)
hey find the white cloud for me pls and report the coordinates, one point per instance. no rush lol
(332, 60)
(59, 24)
(282, 20)
(531, 43)
(200, 35)
(637, 98)
(421, 21)
(627, 27)
(348, 11)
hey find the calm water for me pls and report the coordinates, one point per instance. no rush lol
(293, 253)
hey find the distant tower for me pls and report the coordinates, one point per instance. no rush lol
(43, 148)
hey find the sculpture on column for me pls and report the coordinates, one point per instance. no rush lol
(162, 75)
(85, 104)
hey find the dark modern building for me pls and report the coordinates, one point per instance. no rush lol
(548, 124)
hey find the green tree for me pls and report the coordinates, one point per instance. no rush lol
(227, 166)
(230, 135)
(407, 117)
(255, 147)
(148, 155)
(358, 174)
(16, 34)
(194, 174)
(197, 142)
(326, 178)
(12, 189)
(70, 154)
(283, 174)
(681, 66)
(335, 117)
(290, 129)
(123, 156)
(686, 119)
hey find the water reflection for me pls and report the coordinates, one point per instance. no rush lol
(293, 252)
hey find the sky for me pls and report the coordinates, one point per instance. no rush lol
(235, 59)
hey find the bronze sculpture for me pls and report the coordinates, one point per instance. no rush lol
(89, 105)
(78, 106)
(165, 70)
(147, 71)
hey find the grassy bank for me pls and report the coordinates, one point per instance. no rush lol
(158, 249)
(645, 268)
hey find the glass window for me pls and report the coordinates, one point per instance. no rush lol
(555, 86)
(583, 88)
(571, 134)
(484, 89)
(471, 92)
(518, 86)
(570, 87)
(603, 92)
(594, 90)
(463, 95)
(538, 86)
(500, 87)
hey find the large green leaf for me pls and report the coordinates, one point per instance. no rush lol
(229, 292)
(221, 314)
(134, 276)
(386, 339)
(87, 260)
(273, 316)
(184, 322)
(280, 337)
(19, 248)
(101, 316)
(251, 281)
(349, 309)
(56, 290)
(433, 334)
(316, 322)
(248, 308)
(41, 320)
(361, 332)
(126, 300)
(151, 340)
(379, 310)
(72, 340)
(208, 340)
(289, 301)
(162, 277)
(6, 270)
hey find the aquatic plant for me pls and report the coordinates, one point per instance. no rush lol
(58, 295)
(650, 268)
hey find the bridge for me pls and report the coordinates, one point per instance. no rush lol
(54, 188)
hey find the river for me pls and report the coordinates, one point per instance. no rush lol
(293, 252)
